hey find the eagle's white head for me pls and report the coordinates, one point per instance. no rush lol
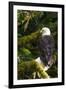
(45, 31)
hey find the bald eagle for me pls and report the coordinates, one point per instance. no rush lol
(37, 68)
(46, 48)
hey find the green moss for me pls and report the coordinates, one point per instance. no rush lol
(26, 70)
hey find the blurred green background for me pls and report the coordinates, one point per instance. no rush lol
(29, 24)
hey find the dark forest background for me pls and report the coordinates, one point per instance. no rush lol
(29, 24)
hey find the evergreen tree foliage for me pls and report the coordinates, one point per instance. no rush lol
(29, 24)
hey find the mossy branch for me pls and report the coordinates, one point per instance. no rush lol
(28, 38)
(30, 68)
